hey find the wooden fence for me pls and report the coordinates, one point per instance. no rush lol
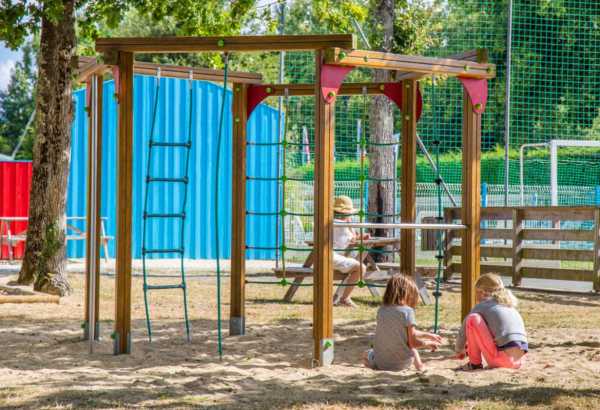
(533, 242)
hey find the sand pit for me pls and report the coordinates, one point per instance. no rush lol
(45, 364)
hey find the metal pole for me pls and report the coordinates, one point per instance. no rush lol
(281, 131)
(423, 148)
(553, 173)
(361, 33)
(92, 229)
(507, 103)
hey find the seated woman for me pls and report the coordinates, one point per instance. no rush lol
(344, 238)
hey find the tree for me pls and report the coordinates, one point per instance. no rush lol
(382, 158)
(55, 20)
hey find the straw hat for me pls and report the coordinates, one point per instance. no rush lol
(343, 205)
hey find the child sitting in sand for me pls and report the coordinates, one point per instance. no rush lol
(344, 238)
(493, 329)
(396, 339)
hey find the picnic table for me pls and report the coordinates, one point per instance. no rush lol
(11, 239)
(370, 276)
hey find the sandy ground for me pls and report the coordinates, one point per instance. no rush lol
(45, 364)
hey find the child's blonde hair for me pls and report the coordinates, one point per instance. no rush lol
(493, 286)
(401, 290)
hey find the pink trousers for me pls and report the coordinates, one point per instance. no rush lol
(481, 343)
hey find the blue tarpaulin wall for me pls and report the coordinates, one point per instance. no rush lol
(173, 125)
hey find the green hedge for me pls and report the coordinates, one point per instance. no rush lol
(576, 167)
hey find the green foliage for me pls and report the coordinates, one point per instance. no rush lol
(492, 167)
(16, 106)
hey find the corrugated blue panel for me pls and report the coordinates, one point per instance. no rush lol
(173, 124)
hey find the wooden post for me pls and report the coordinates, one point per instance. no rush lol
(408, 211)
(238, 207)
(122, 333)
(94, 191)
(471, 203)
(596, 278)
(517, 246)
(323, 221)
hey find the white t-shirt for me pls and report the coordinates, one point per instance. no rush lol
(342, 237)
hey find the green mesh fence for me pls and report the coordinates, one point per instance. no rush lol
(555, 94)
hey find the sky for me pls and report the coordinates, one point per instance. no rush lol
(8, 59)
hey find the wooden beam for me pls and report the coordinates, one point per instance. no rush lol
(479, 55)
(579, 275)
(471, 203)
(122, 332)
(550, 234)
(495, 251)
(225, 43)
(89, 66)
(238, 217)
(408, 183)
(37, 298)
(94, 191)
(411, 64)
(323, 224)
(277, 90)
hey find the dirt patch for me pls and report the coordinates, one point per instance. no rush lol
(45, 364)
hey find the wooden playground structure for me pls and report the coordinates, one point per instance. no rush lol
(335, 56)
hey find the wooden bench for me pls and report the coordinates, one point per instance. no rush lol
(10, 239)
(299, 273)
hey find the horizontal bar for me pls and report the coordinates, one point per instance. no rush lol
(410, 64)
(174, 215)
(174, 250)
(153, 179)
(170, 144)
(159, 287)
(368, 225)
(225, 43)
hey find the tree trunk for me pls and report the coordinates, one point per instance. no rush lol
(44, 259)
(382, 158)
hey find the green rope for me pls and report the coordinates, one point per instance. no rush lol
(439, 211)
(363, 154)
(145, 220)
(217, 173)
(284, 178)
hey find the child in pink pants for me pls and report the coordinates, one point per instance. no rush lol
(494, 330)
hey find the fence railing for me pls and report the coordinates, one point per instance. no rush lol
(559, 243)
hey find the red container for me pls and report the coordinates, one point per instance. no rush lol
(15, 183)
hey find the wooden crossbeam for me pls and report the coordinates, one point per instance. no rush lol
(278, 90)
(89, 66)
(410, 64)
(224, 43)
(198, 73)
